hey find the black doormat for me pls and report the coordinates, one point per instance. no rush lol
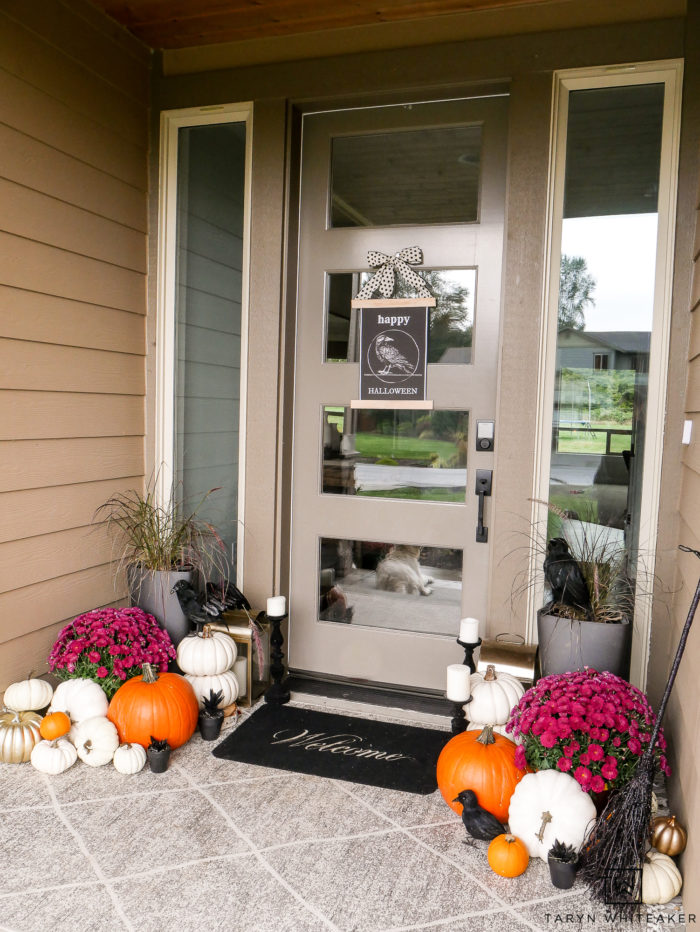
(399, 757)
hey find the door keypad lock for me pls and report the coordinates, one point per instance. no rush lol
(484, 478)
(484, 436)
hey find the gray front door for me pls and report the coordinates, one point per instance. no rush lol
(384, 557)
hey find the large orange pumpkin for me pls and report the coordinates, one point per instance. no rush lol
(483, 762)
(154, 705)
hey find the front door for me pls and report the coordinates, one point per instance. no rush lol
(385, 553)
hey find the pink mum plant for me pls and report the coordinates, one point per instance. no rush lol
(592, 725)
(110, 645)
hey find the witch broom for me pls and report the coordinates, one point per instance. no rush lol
(615, 848)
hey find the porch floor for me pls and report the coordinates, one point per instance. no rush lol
(217, 845)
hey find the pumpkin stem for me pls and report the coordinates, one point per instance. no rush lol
(486, 736)
(490, 674)
(206, 631)
(510, 839)
(149, 674)
(546, 818)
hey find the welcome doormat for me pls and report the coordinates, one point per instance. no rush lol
(399, 757)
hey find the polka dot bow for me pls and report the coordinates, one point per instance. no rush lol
(384, 279)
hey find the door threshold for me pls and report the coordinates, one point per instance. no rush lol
(360, 694)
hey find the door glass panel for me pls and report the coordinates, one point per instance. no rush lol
(387, 585)
(451, 322)
(392, 453)
(211, 185)
(412, 177)
(606, 297)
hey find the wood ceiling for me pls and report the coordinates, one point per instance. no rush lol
(180, 24)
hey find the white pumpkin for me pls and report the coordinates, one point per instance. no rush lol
(129, 758)
(226, 682)
(28, 695)
(550, 806)
(661, 879)
(493, 696)
(79, 699)
(54, 757)
(95, 739)
(207, 653)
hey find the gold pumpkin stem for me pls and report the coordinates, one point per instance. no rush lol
(149, 674)
(486, 736)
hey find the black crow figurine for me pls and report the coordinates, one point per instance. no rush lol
(478, 822)
(190, 604)
(564, 576)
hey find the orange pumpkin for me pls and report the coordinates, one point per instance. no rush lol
(54, 725)
(482, 762)
(154, 705)
(508, 856)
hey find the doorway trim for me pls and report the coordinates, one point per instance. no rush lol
(669, 73)
(163, 468)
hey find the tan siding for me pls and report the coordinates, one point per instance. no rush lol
(35, 216)
(73, 260)
(694, 337)
(692, 401)
(31, 464)
(31, 512)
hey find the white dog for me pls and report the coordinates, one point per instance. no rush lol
(399, 571)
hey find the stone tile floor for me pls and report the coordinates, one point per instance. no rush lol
(217, 845)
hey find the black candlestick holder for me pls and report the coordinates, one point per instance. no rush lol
(459, 718)
(278, 693)
(469, 653)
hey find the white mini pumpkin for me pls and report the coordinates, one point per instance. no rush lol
(661, 879)
(226, 682)
(549, 806)
(493, 696)
(129, 758)
(206, 654)
(54, 757)
(80, 699)
(95, 739)
(28, 695)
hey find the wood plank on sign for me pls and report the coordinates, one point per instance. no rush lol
(43, 168)
(55, 599)
(46, 318)
(33, 512)
(46, 269)
(36, 415)
(32, 464)
(45, 219)
(35, 559)
(47, 367)
(37, 114)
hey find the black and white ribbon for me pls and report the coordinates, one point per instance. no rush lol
(384, 280)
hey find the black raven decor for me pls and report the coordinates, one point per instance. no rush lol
(564, 577)
(190, 603)
(478, 822)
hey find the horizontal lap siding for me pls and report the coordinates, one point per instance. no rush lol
(73, 262)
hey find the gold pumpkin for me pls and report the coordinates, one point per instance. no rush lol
(668, 836)
(19, 732)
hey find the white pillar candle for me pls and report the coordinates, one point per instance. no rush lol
(458, 684)
(240, 671)
(276, 606)
(469, 630)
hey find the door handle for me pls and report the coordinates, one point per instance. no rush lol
(484, 479)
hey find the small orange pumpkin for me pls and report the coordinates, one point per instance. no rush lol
(154, 705)
(54, 725)
(482, 762)
(508, 856)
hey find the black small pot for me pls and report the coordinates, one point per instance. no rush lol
(563, 873)
(210, 725)
(158, 760)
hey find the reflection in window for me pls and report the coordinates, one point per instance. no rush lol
(389, 585)
(450, 324)
(392, 453)
(608, 254)
(412, 177)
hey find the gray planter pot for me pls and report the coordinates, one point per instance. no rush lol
(566, 645)
(151, 591)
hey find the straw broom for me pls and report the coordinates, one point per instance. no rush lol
(615, 848)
